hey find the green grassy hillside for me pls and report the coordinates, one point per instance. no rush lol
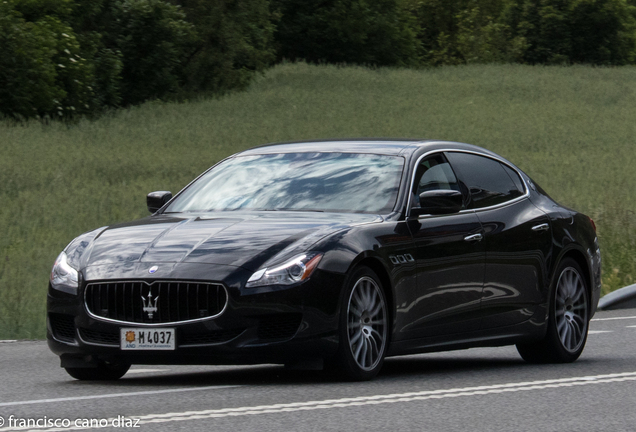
(572, 129)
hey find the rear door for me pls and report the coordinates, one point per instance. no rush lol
(518, 239)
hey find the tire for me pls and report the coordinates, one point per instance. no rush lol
(568, 321)
(103, 372)
(363, 327)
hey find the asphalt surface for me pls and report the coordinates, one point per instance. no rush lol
(489, 389)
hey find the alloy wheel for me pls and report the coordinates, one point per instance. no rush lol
(571, 309)
(366, 323)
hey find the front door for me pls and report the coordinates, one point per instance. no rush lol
(450, 262)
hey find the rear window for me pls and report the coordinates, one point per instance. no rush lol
(490, 182)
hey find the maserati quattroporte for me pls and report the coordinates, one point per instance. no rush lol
(338, 253)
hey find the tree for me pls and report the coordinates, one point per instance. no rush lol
(234, 40)
(373, 32)
(42, 70)
(462, 31)
(603, 32)
(575, 31)
(154, 40)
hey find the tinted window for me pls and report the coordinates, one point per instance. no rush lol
(433, 173)
(515, 178)
(342, 182)
(487, 179)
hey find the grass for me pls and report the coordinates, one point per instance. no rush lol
(570, 128)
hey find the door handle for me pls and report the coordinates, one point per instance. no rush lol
(542, 227)
(474, 237)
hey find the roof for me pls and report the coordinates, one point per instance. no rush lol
(382, 146)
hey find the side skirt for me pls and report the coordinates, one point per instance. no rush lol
(525, 332)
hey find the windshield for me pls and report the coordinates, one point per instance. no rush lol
(332, 182)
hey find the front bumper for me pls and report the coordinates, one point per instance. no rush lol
(262, 325)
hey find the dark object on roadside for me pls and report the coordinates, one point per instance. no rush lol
(624, 298)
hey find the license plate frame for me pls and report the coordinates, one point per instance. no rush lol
(147, 339)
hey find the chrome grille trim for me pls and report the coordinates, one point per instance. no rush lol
(128, 287)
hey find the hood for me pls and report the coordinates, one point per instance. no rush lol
(245, 240)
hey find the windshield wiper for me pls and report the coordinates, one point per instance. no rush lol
(259, 209)
(298, 210)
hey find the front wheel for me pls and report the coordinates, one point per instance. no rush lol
(364, 327)
(568, 321)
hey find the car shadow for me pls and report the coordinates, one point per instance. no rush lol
(398, 368)
(417, 365)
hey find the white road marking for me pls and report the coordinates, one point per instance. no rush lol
(371, 400)
(630, 326)
(615, 318)
(8, 340)
(133, 371)
(113, 395)
(599, 331)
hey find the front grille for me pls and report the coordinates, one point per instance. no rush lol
(283, 326)
(63, 327)
(209, 338)
(155, 302)
(99, 337)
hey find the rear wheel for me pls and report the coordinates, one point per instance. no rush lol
(364, 327)
(103, 372)
(568, 321)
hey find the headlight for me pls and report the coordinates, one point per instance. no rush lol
(63, 276)
(294, 270)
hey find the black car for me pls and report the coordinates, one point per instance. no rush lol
(333, 253)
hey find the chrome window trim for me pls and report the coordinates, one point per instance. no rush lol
(172, 323)
(496, 206)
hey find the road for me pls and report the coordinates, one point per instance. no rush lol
(488, 389)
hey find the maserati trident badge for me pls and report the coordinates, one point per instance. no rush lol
(153, 269)
(149, 307)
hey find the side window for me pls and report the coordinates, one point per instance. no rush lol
(515, 178)
(433, 173)
(487, 179)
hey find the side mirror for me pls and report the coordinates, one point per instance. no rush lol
(437, 202)
(156, 200)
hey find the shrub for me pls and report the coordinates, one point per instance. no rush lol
(373, 32)
(234, 40)
(91, 19)
(463, 31)
(482, 38)
(154, 40)
(75, 73)
(27, 74)
(41, 70)
(601, 32)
